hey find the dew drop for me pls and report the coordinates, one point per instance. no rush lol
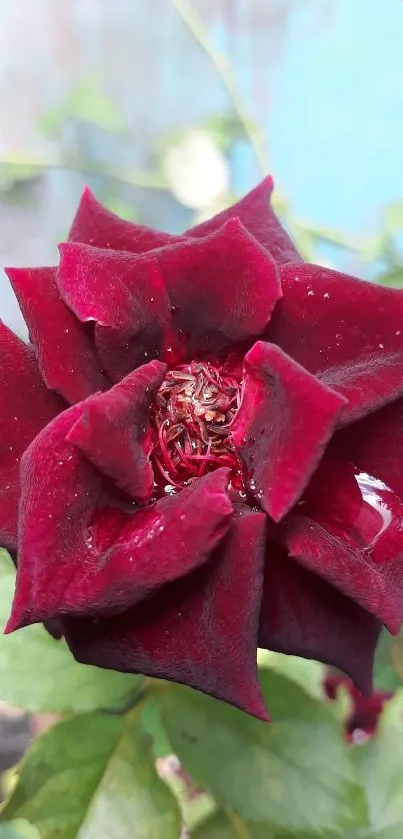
(381, 346)
(359, 737)
(326, 295)
(398, 332)
(375, 493)
(89, 541)
(169, 489)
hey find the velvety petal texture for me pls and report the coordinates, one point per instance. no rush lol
(113, 430)
(94, 225)
(201, 631)
(256, 214)
(202, 451)
(347, 332)
(375, 445)
(303, 615)
(26, 406)
(281, 429)
(349, 530)
(223, 288)
(77, 556)
(126, 298)
(64, 347)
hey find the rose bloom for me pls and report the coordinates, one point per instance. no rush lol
(202, 452)
(362, 719)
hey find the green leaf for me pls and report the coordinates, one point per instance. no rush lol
(19, 829)
(393, 279)
(295, 774)
(93, 776)
(85, 102)
(152, 722)
(379, 765)
(388, 668)
(305, 672)
(40, 674)
(229, 826)
(193, 809)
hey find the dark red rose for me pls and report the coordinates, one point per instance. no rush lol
(362, 720)
(211, 456)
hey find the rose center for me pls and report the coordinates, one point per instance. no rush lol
(190, 423)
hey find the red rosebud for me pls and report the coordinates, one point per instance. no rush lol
(362, 721)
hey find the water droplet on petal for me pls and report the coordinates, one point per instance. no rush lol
(378, 495)
(89, 541)
(359, 736)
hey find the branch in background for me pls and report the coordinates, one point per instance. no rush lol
(220, 61)
(10, 166)
(222, 64)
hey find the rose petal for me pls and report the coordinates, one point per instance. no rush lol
(223, 288)
(126, 298)
(201, 631)
(25, 407)
(355, 546)
(77, 559)
(52, 627)
(360, 355)
(65, 351)
(113, 430)
(375, 445)
(286, 418)
(303, 615)
(256, 214)
(94, 225)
